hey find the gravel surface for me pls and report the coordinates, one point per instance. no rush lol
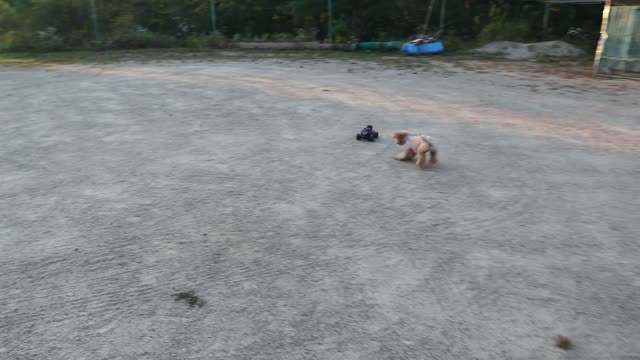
(224, 210)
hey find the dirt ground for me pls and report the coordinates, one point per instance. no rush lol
(130, 191)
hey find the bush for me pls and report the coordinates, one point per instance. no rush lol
(141, 40)
(303, 35)
(505, 30)
(196, 42)
(282, 37)
(215, 41)
(7, 41)
(457, 43)
(261, 38)
(77, 39)
(44, 40)
(341, 31)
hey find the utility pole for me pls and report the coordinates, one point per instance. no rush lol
(94, 17)
(214, 25)
(330, 25)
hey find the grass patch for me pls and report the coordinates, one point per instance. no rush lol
(232, 54)
(358, 60)
(10, 60)
(105, 57)
(190, 298)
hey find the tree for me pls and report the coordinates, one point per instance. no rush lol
(32, 23)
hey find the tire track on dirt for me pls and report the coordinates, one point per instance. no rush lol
(584, 133)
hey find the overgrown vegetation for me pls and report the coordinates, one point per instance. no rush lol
(51, 25)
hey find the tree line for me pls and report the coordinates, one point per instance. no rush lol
(66, 24)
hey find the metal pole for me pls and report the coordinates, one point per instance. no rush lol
(94, 17)
(330, 25)
(214, 25)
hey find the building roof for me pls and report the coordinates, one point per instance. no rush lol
(574, 1)
(625, 2)
(595, 2)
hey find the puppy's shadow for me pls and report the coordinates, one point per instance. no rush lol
(431, 168)
(445, 168)
(440, 167)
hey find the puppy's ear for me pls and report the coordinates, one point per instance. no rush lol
(400, 134)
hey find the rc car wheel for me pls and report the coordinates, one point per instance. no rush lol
(358, 137)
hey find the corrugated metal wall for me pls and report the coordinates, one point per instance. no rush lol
(620, 53)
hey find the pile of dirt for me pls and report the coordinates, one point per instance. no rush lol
(520, 51)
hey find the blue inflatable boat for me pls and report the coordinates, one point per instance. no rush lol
(435, 47)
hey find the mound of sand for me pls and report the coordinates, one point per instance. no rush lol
(520, 51)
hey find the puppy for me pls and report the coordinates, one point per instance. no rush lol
(416, 145)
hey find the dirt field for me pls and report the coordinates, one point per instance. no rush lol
(241, 182)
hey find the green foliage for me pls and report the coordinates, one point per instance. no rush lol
(282, 37)
(28, 24)
(44, 40)
(8, 40)
(341, 31)
(505, 30)
(141, 40)
(77, 39)
(199, 42)
(456, 43)
(196, 42)
(217, 41)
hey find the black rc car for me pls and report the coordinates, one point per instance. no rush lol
(367, 133)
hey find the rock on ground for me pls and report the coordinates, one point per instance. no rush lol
(521, 51)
